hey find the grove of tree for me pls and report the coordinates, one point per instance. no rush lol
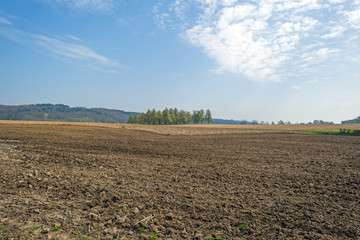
(170, 116)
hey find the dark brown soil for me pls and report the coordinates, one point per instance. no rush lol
(89, 182)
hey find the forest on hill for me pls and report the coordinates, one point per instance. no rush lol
(61, 112)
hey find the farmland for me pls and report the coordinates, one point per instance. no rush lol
(119, 181)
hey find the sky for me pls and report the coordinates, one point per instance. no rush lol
(265, 60)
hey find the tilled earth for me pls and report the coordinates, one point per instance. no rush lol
(89, 182)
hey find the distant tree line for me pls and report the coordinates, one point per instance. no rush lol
(171, 116)
(281, 122)
(356, 120)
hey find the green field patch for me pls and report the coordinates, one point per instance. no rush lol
(55, 229)
(337, 132)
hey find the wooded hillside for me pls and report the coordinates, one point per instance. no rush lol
(60, 112)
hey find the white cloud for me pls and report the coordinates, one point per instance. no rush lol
(263, 39)
(178, 7)
(335, 32)
(87, 5)
(5, 21)
(74, 38)
(69, 47)
(297, 6)
(336, 1)
(317, 55)
(162, 19)
(14, 35)
(353, 18)
(249, 38)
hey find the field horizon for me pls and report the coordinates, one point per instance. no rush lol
(189, 128)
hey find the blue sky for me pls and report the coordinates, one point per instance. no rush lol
(294, 60)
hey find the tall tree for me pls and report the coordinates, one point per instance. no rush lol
(142, 118)
(188, 117)
(136, 118)
(147, 119)
(202, 115)
(208, 116)
(153, 118)
(166, 118)
(172, 116)
(159, 116)
(176, 116)
(131, 119)
(195, 117)
(182, 117)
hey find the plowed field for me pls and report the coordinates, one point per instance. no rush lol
(98, 181)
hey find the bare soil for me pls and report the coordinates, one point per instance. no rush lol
(99, 181)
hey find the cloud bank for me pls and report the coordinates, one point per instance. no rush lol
(261, 38)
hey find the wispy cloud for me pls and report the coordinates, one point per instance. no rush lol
(317, 55)
(5, 21)
(335, 32)
(160, 18)
(259, 39)
(353, 18)
(68, 47)
(74, 38)
(87, 5)
(71, 50)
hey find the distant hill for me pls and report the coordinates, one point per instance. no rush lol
(64, 113)
(60, 112)
(356, 120)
